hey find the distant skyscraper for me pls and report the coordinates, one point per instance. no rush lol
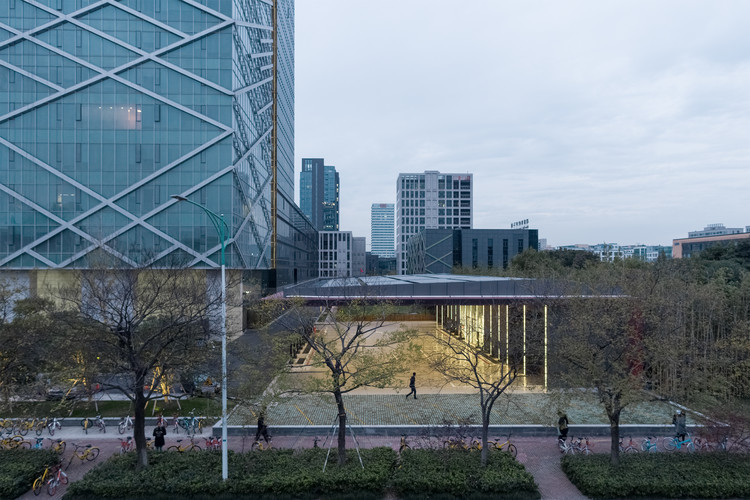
(319, 194)
(382, 229)
(430, 201)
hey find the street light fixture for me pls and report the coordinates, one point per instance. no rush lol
(221, 227)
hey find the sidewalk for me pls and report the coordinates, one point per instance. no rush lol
(540, 455)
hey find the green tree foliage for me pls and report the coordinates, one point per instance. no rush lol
(135, 329)
(354, 342)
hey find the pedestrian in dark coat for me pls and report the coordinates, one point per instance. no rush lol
(413, 386)
(680, 425)
(159, 432)
(562, 425)
(262, 427)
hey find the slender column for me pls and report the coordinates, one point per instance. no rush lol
(545, 348)
(524, 341)
(494, 330)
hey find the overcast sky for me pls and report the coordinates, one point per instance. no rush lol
(619, 121)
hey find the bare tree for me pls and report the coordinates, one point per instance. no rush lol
(467, 364)
(138, 327)
(355, 342)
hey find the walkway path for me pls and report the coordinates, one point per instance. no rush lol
(540, 456)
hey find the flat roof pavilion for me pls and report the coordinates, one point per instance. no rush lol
(432, 289)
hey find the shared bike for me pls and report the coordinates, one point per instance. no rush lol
(83, 452)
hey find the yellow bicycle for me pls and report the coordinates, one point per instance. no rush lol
(83, 452)
(183, 448)
(57, 445)
(39, 482)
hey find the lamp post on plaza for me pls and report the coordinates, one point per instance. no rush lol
(222, 229)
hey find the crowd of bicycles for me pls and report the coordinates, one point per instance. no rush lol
(648, 444)
(462, 443)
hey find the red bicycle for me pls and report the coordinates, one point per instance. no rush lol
(126, 445)
(58, 477)
(213, 443)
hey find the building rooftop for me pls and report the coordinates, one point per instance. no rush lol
(434, 288)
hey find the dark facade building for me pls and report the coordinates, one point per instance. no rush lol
(439, 251)
(319, 194)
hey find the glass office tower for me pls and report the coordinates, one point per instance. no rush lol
(382, 229)
(109, 109)
(319, 194)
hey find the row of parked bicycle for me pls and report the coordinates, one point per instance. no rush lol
(460, 443)
(21, 426)
(649, 444)
(211, 443)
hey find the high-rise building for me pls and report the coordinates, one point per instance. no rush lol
(382, 230)
(319, 194)
(335, 254)
(108, 109)
(430, 201)
(359, 256)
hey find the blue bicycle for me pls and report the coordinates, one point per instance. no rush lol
(675, 444)
(650, 446)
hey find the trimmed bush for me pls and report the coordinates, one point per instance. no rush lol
(19, 468)
(459, 474)
(271, 474)
(694, 475)
(295, 474)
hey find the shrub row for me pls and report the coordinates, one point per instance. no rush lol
(19, 468)
(673, 475)
(299, 474)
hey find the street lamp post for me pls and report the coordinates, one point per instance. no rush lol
(222, 229)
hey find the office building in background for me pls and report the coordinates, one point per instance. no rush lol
(382, 230)
(109, 109)
(430, 200)
(319, 194)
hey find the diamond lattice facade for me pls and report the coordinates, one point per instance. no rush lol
(108, 108)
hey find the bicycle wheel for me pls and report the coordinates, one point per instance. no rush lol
(51, 430)
(690, 447)
(194, 447)
(39, 428)
(38, 483)
(121, 428)
(60, 448)
(631, 449)
(173, 448)
(23, 429)
(92, 454)
(512, 450)
(670, 445)
(52, 487)
(63, 478)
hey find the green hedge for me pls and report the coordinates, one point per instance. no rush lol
(673, 475)
(458, 474)
(281, 474)
(19, 468)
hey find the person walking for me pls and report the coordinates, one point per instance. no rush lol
(562, 425)
(412, 386)
(159, 432)
(262, 427)
(680, 425)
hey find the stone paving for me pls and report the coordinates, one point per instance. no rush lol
(520, 408)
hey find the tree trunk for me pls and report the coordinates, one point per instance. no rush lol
(342, 427)
(614, 430)
(139, 425)
(485, 431)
